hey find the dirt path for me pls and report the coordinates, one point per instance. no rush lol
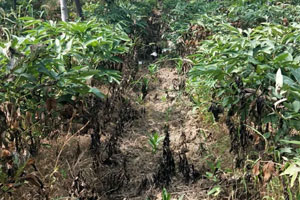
(164, 104)
(72, 168)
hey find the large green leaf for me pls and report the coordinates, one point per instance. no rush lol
(296, 74)
(293, 170)
(96, 92)
(286, 56)
(296, 106)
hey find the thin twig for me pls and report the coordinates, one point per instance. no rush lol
(65, 143)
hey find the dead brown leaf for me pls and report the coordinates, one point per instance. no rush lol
(256, 138)
(285, 22)
(5, 153)
(50, 104)
(15, 125)
(30, 161)
(28, 119)
(268, 170)
(255, 169)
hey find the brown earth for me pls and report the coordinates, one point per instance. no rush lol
(67, 160)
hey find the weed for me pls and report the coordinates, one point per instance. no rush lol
(167, 113)
(164, 98)
(145, 85)
(166, 195)
(154, 140)
(179, 66)
(215, 191)
(152, 69)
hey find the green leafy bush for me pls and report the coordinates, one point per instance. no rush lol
(186, 24)
(256, 78)
(45, 64)
(65, 54)
(251, 14)
(130, 15)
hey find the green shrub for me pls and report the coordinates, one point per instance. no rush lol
(46, 63)
(256, 79)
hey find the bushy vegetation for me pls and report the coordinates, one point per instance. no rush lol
(251, 66)
(45, 64)
(237, 59)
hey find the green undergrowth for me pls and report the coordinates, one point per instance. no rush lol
(253, 76)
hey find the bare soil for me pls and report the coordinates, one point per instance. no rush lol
(67, 168)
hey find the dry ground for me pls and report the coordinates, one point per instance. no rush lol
(68, 158)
